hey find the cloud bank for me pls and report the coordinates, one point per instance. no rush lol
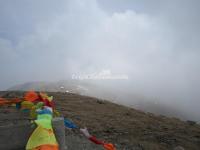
(156, 44)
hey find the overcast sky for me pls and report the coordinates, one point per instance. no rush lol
(154, 42)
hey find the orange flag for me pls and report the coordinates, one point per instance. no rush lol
(2, 101)
(47, 147)
(109, 146)
(10, 101)
(31, 96)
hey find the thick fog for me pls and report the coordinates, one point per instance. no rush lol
(156, 43)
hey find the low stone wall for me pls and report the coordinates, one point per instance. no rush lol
(15, 137)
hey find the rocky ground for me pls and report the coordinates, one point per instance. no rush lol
(127, 128)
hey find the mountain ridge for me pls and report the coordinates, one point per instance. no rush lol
(82, 87)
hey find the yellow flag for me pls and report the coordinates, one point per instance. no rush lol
(41, 136)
